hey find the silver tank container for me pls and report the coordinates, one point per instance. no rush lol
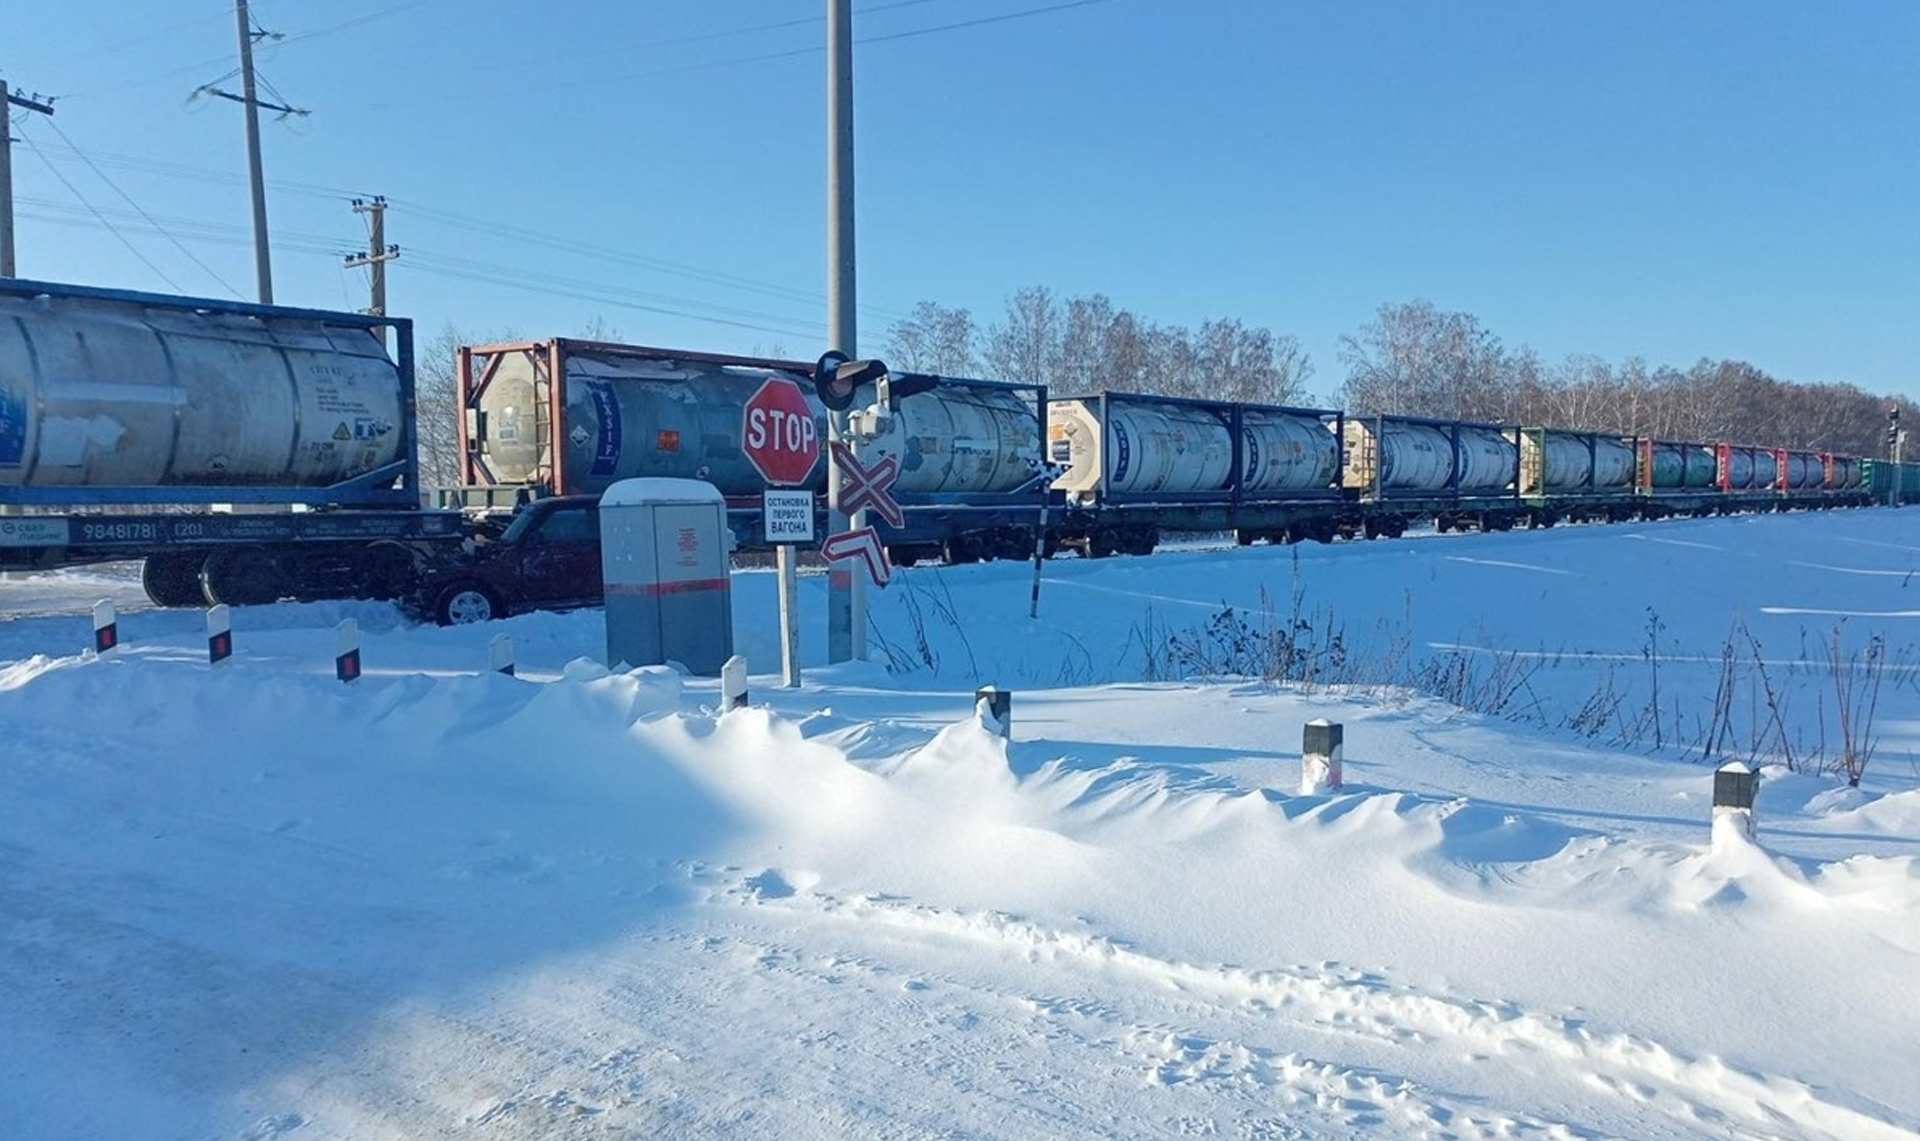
(636, 415)
(101, 393)
(1147, 445)
(1410, 455)
(959, 439)
(1485, 459)
(1570, 458)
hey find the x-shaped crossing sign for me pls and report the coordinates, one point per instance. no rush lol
(862, 486)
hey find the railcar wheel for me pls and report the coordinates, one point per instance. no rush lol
(242, 578)
(174, 579)
(464, 603)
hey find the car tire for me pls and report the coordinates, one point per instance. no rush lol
(463, 603)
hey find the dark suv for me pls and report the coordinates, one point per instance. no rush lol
(548, 558)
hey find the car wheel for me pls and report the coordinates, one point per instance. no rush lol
(464, 602)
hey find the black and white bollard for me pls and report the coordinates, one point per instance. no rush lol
(994, 707)
(500, 654)
(346, 650)
(733, 684)
(1320, 757)
(219, 634)
(1735, 786)
(106, 628)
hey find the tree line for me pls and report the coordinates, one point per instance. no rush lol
(1082, 344)
(1412, 359)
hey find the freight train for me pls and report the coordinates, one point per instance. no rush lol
(251, 452)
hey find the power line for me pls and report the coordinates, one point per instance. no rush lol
(517, 281)
(156, 33)
(816, 49)
(162, 274)
(169, 169)
(732, 33)
(211, 272)
(453, 266)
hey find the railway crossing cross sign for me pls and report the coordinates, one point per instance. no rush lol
(778, 434)
(867, 487)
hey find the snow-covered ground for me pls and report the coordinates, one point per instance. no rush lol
(252, 902)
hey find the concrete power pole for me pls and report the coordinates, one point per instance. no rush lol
(846, 600)
(8, 101)
(262, 260)
(378, 254)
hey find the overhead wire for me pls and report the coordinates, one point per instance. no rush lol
(813, 49)
(111, 228)
(472, 224)
(443, 265)
(164, 232)
(474, 270)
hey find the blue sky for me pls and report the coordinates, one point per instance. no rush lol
(1666, 179)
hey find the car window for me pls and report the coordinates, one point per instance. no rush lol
(574, 525)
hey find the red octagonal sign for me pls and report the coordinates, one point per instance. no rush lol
(778, 433)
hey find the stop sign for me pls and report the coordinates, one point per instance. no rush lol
(778, 434)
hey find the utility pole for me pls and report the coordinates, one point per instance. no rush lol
(8, 101)
(846, 596)
(262, 261)
(378, 254)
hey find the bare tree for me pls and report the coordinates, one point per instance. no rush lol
(933, 338)
(1026, 347)
(1417, 360)
(437, 407)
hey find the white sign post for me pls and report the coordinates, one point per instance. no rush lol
(788, 519)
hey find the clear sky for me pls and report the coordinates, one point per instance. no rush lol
(1673, 180)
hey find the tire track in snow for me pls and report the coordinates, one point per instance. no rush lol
(1639, 1077)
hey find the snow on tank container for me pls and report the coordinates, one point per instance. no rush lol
(1161, 444)
(630, 412)
(110, 392)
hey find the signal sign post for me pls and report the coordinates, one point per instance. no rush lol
(780, 439)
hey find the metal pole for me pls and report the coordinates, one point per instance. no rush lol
(262, 267)
(846, 601)
(789, 617)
